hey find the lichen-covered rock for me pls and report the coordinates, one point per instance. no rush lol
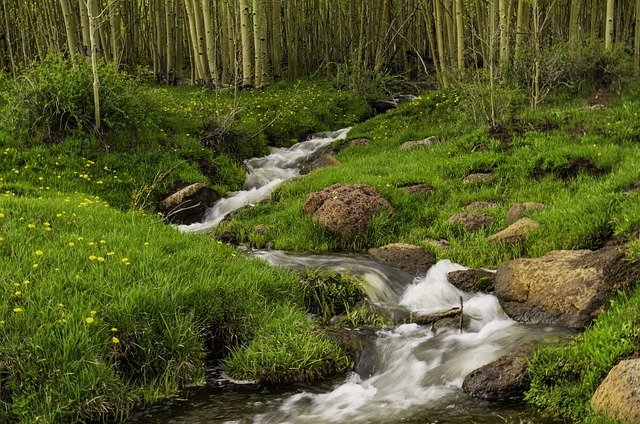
(189, 204)
(324, 161)
(618, 396)
(516, 232)
(413, 259)
(566, 287)
(346, 210)
(503, 379)
(477, 206)
(417, 189)
(518, 211)
(472, 280)
(471, 221)
(479, 177)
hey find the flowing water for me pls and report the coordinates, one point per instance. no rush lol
(265, 174)
(407, 373)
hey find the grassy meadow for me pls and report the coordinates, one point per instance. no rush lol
(105, 307)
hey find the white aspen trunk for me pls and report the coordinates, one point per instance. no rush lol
(459, 35)
(214, 75)
(84, 24)
(246, 43)
(94, 63)
(69, 24)
(608, 31)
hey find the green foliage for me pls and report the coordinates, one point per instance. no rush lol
(53, 99)
(327, 294)
(564, 379)
(287, 351)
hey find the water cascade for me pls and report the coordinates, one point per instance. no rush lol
(409, 373)
(264, 175)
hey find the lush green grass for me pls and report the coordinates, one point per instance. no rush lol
(580, 176)
(564, 379)
(113, 308)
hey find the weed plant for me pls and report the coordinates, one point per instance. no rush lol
(563, 379)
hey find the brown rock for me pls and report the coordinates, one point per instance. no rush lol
(503, 379)
(417, 189)
(356, 142)
(407, 257)
(421, 144)
(518, 211)
(566, 287)
(346, 210)
(516, 232)
(471, 221)
(324, 161)
(477, 206)
(189, 204)
(618, 396)
(472, 280)
(478, 178)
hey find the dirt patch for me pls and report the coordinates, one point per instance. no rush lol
(570, 170)
(501, 134)
(602, 98)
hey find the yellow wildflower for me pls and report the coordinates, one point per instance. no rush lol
(89, 320)
(114, 329)
(39, 252)
(93, 257)
(93, 313)
(100, 259)
(17, 310)
(115, 340)
(71, 244)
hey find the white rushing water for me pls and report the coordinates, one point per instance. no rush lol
(411, 368)
(264, 175)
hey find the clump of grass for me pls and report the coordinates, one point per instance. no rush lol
(564, 379)
(286, 351)
(328, 293)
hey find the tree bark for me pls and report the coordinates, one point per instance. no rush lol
(246, 43)
(69, 24)
(608, 31)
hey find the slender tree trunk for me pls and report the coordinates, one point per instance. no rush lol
(246, 42)
(69, 23)
(12, 64)
(504, 34)
(116, 39)
(92, 12)
(170, 31)
(637, 35)
(260, 43)
(608, 31)
(440, 41)
(210, 42)
(459, 35)
(520, 29)
(574, 21)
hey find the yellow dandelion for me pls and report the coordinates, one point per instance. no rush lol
(80, 238)
(1, 215)
(17, 310)
(111, 253)
(93, 313)
(93, 257)
(60, 305)
(115, 340)
(18, 293)
(92, 243)
(103, 242)
(31, 226)
(16, 284)
(1, 322)
(100, 259)
(34, 266)
(89, 320)
(71, 244)
(125, 260)
(39, 252)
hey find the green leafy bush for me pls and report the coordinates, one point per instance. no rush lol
(53, 99)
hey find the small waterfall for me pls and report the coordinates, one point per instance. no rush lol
(264, 175)
(413, 370)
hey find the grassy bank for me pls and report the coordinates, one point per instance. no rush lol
(113, 308)
(104, 306)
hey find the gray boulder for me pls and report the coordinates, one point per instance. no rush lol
(566, 287)
(471, 221)
(189, 204)
(503, 379)
(413, 259)
(472, 280)
(346, 210)
(479, 177)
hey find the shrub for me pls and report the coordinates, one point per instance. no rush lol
(53, 99)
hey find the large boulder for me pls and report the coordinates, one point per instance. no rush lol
(346, 210)
(518, 211)
(567, 287)
(471, 221)
(472, 280)
(413, 259)
(503, 379)
(618, 396)
(515, 233)
(324, 161)
(189, 204)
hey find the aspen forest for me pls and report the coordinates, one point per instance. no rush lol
(249, 43)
